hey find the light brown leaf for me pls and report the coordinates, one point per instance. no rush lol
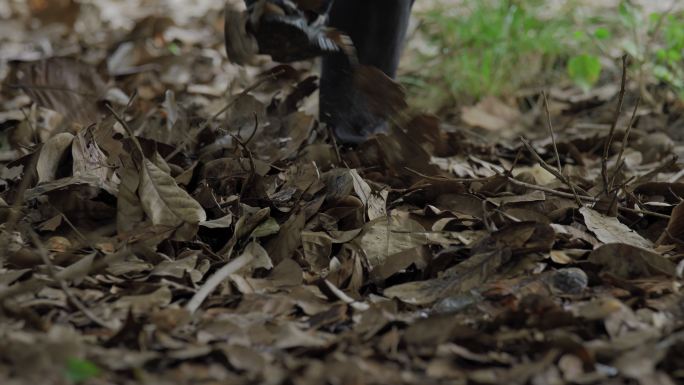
(51, 153)
(167, 204)
(65, 85)
(629, 261)
(610, 230)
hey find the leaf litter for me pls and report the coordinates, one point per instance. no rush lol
(170, 216)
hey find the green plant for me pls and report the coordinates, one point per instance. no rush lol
(79, 370)
(485, 47)
(492, 47)
(669, 60)
(654, 42)
(584, 70)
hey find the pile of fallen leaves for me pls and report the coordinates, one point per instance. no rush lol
(168, 217)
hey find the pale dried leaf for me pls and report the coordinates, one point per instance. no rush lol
(611, 230)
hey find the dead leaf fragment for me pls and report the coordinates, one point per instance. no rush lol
(610, 230)
(165, 203)
(65, 85)
(629, 261)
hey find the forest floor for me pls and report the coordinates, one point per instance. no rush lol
(170, 217)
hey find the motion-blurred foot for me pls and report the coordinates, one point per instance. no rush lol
(288, 31)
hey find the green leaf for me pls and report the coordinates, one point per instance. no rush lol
(602, 33)
(674, 55)
(628, 15)
(584, 70)
(79, 370)
(631, 48)
(174, 49)
(663, 73)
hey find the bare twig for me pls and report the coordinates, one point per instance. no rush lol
(553, 136)
(252, 167)
(444, 178)
(128, 130)
(664, 165)
(331, 134)
(219, 276)
(625, 139)
(552, 170)
(564, 179)
(611, 133)
(585, 198)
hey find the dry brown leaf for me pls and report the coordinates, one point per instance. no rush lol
(55, 11)
(65, 85)
(51, 153)
(88, 158)
(288, 240)
(129, 209)
(629, 261)
(385, 237)
(610, 230)
(167, 204)
(491, 114)
(145, 303)
(317, 248)
(674, 232)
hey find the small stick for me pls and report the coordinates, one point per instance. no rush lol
(625, 139)
(553, 171)
(582, 197)
(553, 136)
(565, 179)
(219, 276)
(611, 133)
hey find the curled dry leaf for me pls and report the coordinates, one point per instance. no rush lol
(51, 153)
(374, 201)
(88, 158)
(674, 232)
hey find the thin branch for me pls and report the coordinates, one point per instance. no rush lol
(564, 179)
(553, 171)
(553, 136)
(611, 133)
(219, 276)
(588, 199)
(625, 140)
